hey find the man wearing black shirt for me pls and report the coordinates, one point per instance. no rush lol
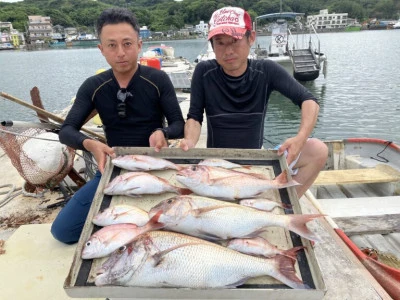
(234, 91)
(132, 101)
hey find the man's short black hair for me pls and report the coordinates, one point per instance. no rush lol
(117, 16)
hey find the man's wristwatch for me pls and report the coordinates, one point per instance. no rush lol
(163, 131)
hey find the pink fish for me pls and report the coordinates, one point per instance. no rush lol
(260, 247)
(173, 260)
(226, 184)
(106, 240)
(143, 163)
(222, 163)
(135, 184)
(213, 219)
(119, 214)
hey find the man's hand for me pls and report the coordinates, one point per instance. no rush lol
(158, 140)
(186, 144)
(293, 147)
(100, 152)
(192, 134)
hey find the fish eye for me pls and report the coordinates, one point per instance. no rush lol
(121, 249)
(194, 168)
(88, 243)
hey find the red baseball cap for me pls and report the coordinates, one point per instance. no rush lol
(233, 21)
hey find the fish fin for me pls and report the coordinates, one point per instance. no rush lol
(282, 181)
(184, 191)
(208, 236)
(259, 176)
(134, 195)
(203, 210)
(254, 234)
(292, 253)
(287, 273)
(297, 224)
(179, 167)
(237, 283)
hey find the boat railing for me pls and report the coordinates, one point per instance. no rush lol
(314, 38)
(304, 39)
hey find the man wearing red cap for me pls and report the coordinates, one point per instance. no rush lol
(234, 91)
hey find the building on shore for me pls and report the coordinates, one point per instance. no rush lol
(10, 38)
(325, 20)
(40, 29)
(202, 28)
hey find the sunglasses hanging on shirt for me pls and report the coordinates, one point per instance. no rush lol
(121, 106)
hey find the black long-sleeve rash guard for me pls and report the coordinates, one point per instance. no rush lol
(151, 96)
(236, 106)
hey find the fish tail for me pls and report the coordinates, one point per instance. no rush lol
(178, 167)
(287, 273)
(153, 223)
(281, 181)
(298, 224)
(292, 253)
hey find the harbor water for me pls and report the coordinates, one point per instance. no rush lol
(360, 97)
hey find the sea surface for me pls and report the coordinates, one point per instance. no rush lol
(360, 96)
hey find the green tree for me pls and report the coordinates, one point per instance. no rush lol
(353, 9)
(384, 9)
(59, 18)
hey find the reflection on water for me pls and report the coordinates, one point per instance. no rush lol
(359, 97)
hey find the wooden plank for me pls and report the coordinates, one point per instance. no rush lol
(344, 275)
(364, 206)
(381, 224)
(366, 175)
(49, 115)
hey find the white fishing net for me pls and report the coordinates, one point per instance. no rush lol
(38, 155)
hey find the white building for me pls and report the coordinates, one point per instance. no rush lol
(202, 28)
(325, 20)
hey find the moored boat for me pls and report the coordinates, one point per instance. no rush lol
(292, 45)
(397, 25)
(359, 191)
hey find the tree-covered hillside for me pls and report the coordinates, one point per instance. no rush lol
(161, 15)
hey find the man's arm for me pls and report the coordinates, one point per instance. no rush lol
(309, 115)
(192, 134)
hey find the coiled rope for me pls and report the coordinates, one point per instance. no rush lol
(14, 192)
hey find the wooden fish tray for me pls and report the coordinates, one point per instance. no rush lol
(80, 280)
